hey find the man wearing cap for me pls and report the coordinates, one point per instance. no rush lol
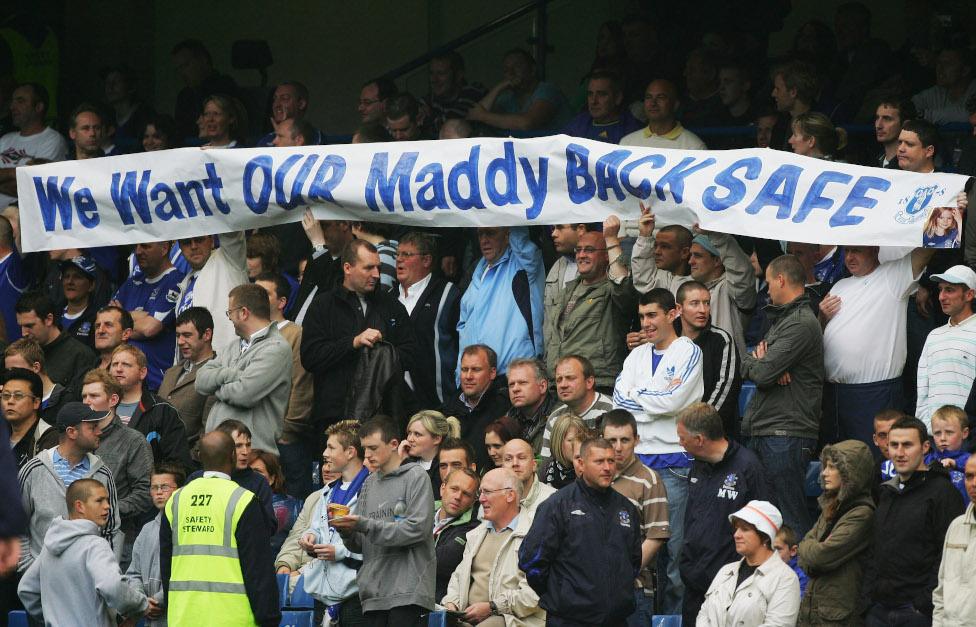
(945, 369)
(78, 276)
(45, 479)
(719, 262)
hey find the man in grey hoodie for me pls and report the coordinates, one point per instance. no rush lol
(393, 531)
(76, 579)
(45, 479)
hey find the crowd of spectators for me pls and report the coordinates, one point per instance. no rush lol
(578, 424)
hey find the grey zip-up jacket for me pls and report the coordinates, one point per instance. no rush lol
(394, 537)
(76, 579)
(795, 346)
(253, 386)
(42, 493)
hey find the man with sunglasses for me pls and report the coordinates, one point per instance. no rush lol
(592, 313)
(213, 273)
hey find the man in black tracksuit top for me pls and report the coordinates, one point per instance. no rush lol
(723, 478)
(914, 511)
(583, 552)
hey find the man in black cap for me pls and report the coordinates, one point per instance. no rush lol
(45, 479)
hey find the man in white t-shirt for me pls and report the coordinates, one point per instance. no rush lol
(33, 141)
(865, 335)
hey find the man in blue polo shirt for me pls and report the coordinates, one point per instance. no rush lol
(150, 297)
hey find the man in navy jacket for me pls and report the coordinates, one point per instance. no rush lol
(583, 552)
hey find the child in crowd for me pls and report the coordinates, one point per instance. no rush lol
(143, 571)
(950, 428)
(786, 544)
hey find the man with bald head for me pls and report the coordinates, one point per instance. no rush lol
(486, 596)
(198, 512)
(591, 316)
(519, 457)
(663, 130)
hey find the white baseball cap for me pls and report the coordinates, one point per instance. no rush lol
(960, 275)
(763, 515)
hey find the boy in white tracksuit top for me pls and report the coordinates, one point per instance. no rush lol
(658, 380)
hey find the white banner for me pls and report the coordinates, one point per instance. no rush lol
(186, 192)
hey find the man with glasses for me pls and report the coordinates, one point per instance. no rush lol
(372, 100)
(213, 273)
(487, 585)
(124, 450)
(251, 376)
(433, 304)
(143, 570)
(21, 396)
(591, 316)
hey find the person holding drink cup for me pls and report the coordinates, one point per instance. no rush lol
(331, 575)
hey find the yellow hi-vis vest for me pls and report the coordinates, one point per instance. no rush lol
(206, 585)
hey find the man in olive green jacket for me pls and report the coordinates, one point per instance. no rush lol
(591, 315)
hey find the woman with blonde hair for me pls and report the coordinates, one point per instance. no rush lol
(814, 135)
(223, 123)
(943, 228)
(426, 430)
(568, 431)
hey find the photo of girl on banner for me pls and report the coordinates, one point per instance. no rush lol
(943, 228)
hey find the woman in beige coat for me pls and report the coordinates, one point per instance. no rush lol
(759, 589)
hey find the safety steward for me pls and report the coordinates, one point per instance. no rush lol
(215, 551)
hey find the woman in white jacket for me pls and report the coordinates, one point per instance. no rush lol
(759, 589)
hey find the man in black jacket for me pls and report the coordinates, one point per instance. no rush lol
(453, 519)
(914, 512)
(720, 358)
(434, 305)
(583, 552)
(323, 271)
(344, 320)
(142, 410)
(723, 478)
(483, 398)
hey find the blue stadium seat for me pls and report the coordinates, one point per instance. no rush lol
(666, 620)
(300, 598)
(282, 581)
(296, 618)
(437, 618)
(17, 618)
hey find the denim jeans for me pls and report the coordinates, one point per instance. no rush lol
(670, 587)
(785, 460)
(296, 463)
(850, 409)
(880, 616)
(645, 610)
